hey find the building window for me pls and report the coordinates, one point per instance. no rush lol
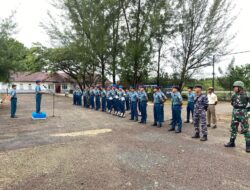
(64, 86)
(21, 86)
(51, 86)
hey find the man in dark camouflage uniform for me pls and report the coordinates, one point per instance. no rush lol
(239, 102)
(200, 108)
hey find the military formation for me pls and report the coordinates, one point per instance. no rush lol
(201, 107)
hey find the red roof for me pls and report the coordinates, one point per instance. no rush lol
(43, 76)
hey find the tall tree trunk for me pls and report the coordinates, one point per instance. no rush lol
(159, 64)
(103, 71)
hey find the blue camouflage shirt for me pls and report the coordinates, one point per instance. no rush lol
(13, 93)
(158, 97)
(176, 98)
(134, 96)
(143, 97)
(191, 97)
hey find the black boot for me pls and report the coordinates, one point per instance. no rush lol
(154, 125)
(203, 138)
(248, 146)
(196, 136)
(159, 126)
(230, 144)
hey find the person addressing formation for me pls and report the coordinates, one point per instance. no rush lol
(37, 115)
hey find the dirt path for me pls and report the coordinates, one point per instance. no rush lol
(84, 149)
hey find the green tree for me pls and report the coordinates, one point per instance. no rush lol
(202, 32)
(161, 21)
(11, 51)
(136, 58)
(235, 73)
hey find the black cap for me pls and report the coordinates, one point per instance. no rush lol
(176, 87)
(198, 86)
(190, 87)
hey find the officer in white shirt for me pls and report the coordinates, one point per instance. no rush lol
(211, 112)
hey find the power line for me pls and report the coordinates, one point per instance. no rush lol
(234, 53)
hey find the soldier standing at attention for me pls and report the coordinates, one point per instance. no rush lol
(190, 105)
(74, 97)
(39, 93)
(115, 100)
(79, 97)
(139, 103)
(127, 100)
(134, 100)
(104, 99)
(121, 94)
(143, 103)
(200, 108)
(162, 107)
(97, 98)
(87, 95)
(212, 102)
(84, 93)
(92, 98)
(109, 99)
(239, 101)
(13, 99)
(176, 106)
(159, 100)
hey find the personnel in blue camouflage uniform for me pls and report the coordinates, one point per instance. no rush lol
(190, 104)
(74, 97)
(79, 97)
(13, 100)
(115, 102)
(162, 108)
(139, 103)
(176, 106)
(109, 99)
(159, 99)
(200, 108)
(112, 98)
(143, 98)
(92, 98)
(39, 93)
(87, 97)
(84, 95)
(127, 98)
(104, 99)
(240, 102)
(134, 100)
(121, 95)
(97, 98)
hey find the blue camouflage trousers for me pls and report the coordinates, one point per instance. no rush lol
(97, 102)
(104, 103)
(134, 111)
(158, 113)
(176, 120)
(92, 101)
(200, 120)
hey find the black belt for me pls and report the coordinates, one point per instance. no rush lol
(239, 107)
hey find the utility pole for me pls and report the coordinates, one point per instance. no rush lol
(213, 71)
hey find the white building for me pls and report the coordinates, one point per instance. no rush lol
(26, 82)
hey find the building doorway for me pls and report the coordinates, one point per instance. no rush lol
(58, 88)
